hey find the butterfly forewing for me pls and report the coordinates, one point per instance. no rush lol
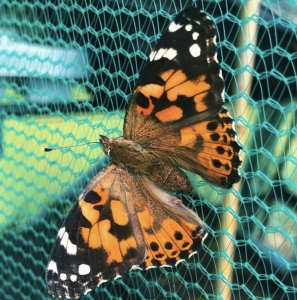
(176, 106)
(181, 81)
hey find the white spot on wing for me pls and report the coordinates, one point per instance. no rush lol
(174, 27)
(118, 276)
(195, 35)
(170, 54)
(71, 248)
(64, 239)
(189, 27)
(61, 232)
(163, 52)
(84, 269)
(152, 55)
(73, 277)
(160, 53)
(150, 267)
(52, 266)
(63, 276)
(195, 50)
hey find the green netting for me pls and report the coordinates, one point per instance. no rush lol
(67, 69)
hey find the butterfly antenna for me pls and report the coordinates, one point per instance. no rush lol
(73, 146)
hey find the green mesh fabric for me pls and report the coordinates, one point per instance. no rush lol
(67, 69)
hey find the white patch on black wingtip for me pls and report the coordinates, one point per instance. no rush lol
(52, 266)
(169, 53)
(160, 53)
(84, 269)
(174, 27)
(61, 232)
(63, 276)
(189, 27)
(195, 50)
(152, 55)
(73, 278)
(70, 248)
(150, 267)
(195, 36)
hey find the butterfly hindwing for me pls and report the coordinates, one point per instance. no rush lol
(98, 240)
(122, 221)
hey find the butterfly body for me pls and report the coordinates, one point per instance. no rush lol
(128, 217)
(137, 159)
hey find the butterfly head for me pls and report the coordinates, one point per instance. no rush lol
(108, 144)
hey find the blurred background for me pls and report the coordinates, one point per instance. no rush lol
(67, 70)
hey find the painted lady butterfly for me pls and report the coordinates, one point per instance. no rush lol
(127, 218)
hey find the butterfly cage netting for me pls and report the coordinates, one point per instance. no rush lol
(67, 69)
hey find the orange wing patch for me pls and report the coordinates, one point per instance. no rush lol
(188, 88)
(172, 113)
(97, 197)
(176, 84)
(176, 78)
(119, 214)
(148, 91)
